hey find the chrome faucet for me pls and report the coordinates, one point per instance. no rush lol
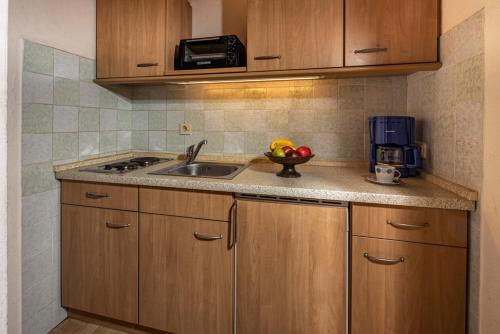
(192, 152)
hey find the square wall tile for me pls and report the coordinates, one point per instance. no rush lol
(107, 119)
(89, 94)
(140, 120)
(124, 120)
(157, 140)
(256, 143)
(37, 88)
(234, 142)
(36, 148)
(107, 99)
(88, 119)
(175, 142)
(140, 140)
(87, 69)
(38, 58)
(65, 119)
(123, 140)
(215, 142)
(107, 141)
(174, 119)
(66, 65)
(214, 120)
(88, 143)
(64, 146)
(38, 178)
(196, 118)
(37, 118)
(157, 120)
(66, 92)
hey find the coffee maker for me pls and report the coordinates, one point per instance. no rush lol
(392, 142)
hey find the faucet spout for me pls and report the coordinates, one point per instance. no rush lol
(192, 152)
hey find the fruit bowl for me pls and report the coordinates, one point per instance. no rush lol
(288, 164)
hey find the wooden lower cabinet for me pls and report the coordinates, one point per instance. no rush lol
(422, 291)
(99, 261)
(185, 281)
(291, 264)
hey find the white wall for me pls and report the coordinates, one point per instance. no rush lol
(63, 24)
(207, 18)
(456, 11)
(490, 212)
(3, 167)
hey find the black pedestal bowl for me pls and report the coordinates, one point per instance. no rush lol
(288, 164)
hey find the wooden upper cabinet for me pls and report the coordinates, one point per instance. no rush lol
(294, 34)
(130, 38)
(391, 32)
(291, 268)
(137, 38)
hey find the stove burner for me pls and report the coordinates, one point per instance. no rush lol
(145, 161)
(126, 166)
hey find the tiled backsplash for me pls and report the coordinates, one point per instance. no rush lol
(65, 117)
(328, 115)
(449, 107)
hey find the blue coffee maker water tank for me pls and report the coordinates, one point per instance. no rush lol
(394, 134)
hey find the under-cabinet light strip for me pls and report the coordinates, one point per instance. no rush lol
(204, 82)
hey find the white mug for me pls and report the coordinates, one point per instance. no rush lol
(387, 173)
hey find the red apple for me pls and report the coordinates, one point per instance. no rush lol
(304, 151)
(287, 149)
(294, 154)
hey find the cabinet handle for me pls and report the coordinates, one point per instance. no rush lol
(90, 195)
(267, 57)
(370, 50)
(147, 64)
(233, 224)
(407, 226)
(206, 237)
(116, 226)
(382, 260)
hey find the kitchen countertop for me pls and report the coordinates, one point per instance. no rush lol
(317, 182)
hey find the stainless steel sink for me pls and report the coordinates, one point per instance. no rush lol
(203, 169)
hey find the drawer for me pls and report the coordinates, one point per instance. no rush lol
(100, 195)
(186, 203)
(433, 226)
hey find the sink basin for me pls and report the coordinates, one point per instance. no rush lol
(203, 169)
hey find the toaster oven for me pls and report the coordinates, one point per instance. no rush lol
(211, 52)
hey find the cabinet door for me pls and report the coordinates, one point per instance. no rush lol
(391, 32)
(291, 268)
(99, 254)
(185, 281)
(294, 34)
(424, 294)
(130, 38)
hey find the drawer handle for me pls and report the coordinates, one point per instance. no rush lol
(206, 237)
(370, 50)
(407, 226)
(382, 260)
(96, 195)
(267, 57)
(147, 65)
(116, 226)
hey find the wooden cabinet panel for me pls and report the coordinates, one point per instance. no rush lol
(130, 38)
(99, 195)
(99, 261)
(185, 283)
(435, 226)
(186, 203)
(424, 294)
(294, 34)
(391, 32)
(179, 26)
(291, 268)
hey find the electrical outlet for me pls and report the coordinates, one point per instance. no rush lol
(423, 149)
(185, 128)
